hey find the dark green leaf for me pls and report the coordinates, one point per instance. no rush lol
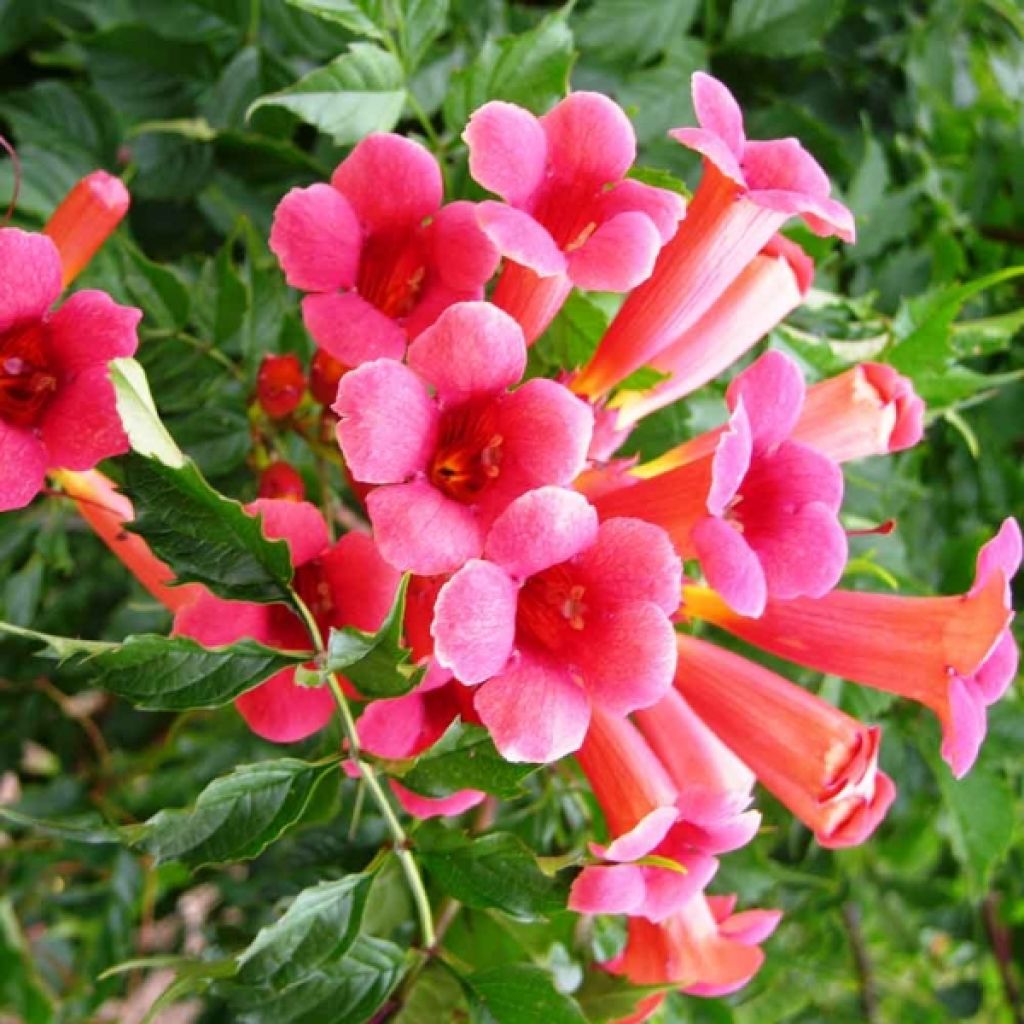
(781, 28)
(495, 871)
(84, 828)
(316, 930)
(520, 994)
(360, 92)
(205, 537)
(466, 758)
(21, 988)
(531, 69)
(358, 16)
(238, 815)
(607, 997)
(376, 663)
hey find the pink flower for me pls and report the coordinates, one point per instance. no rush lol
(570, 216)
(563, 614)
(748, 191)
(704, 947)
(452, 460)
(57, 405)
(956, 655)
(819, 762)
(714, 786)
(378, 252)
(344, 585)
(745, 499)
(868, 410)
(638, 800)
(766, 291)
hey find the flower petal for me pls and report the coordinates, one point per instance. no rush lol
(463, 256)
(730, 566)
(22, 466)
(435, 807)
(731, 460)
(474, 624)
(772, 392)
(717, 110)
(352, 330)
(362, 584)
(521, 238)
(89, 329)
(539, 529)
(618, 255)
(534, 711)
(419, 530)
(31, 276)
(607, 889)
(589, 137)
(507, 151)
(299, 523)
(81, 426)
(664, 208)
(473, 348)
(283, 712)
(391, 182)
(317, 239)
(388, 425)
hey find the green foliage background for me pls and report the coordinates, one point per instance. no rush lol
(212, 109)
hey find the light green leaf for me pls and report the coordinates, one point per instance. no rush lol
(316, 930)
(520, 994)
(360, 92)
(358, 16)
(376, 663)
(238, 815)
(146, 432)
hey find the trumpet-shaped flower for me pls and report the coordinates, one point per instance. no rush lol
(956, 655)
(347, 584)
(570, 216)
(748, 191)
(57, 406)
(745, 500)
(561, 614)
(819, 762)
(451, 460)
(376, 250)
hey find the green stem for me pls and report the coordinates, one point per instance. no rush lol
(400, 840)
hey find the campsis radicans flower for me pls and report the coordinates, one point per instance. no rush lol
(747, 500)
(560, 614)
(377, 252)
(748, 191)
(57, 404)
(638, 801)
(767, 290)
(819, 762)
(447, 440)
(570, 215)
(704, 947)
(347, 584)
(956, 655)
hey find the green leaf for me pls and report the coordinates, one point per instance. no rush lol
(606, 997)
(781, 28)
(520, 994)
(80, 828)
(357, 17)
(61, 647)
(531, 69)
(422, 22)
(642, 379)
(573, 336)
(237, 816)
(466, 758)
(981, 814)
(146, 432)
(633, 31)
(159, 673)
(360, 92)
(317, 929)
(205, 537)
(349, 991)
(496, 871)
(376, 664)
(21, 988)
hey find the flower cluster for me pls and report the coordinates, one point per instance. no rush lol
(547, 599)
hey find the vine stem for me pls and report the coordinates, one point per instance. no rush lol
(373, 786)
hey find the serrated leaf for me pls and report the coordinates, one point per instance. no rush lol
(237, 816)
(782, 28)
(466, 758)
(61, 647)
(159, 673)
(360, 92)
(349, 991)
(146, 432)
(520, 994)
(357, 17)
(574, 334)
(317, 929)
(497, 871)
(376, 663)
(531, 69)
(205, 537)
